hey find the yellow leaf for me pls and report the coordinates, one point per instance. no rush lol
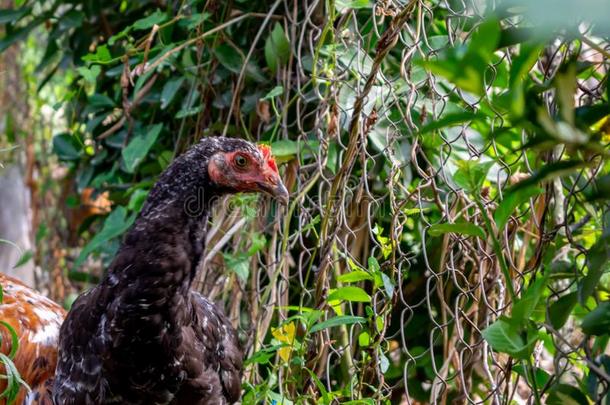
(285, 334)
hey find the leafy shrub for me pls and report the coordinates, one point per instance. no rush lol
(448, 232)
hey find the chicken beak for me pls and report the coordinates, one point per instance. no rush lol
(280, 193)
(276, 189)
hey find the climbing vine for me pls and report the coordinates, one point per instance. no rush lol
(447, 237)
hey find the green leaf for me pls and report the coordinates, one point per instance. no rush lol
(115, 225)
(157, 17)
(461, 228)
(66, 147)
(275, 398)
(326, 399)
(187, 112)
(560, 310)
(17, 35)
(364, 339)
(384, 362)
(102, 55)
(342, 5)
(90, 74)
(264, 355)
(485, 40)
(388, 285)
(277, 48)
(354, 276)
(450, 120)
(276, 91)
(600, 190)
(170, 90)
(598, 261)
(597, 322)
(14, 382)
(565, 85)
(9, 15)
(337, 321)
(239, 264)
(525, 306)
(504, 337)
(548, 172)
(522, 64)
(355, 294)
(466, 77)
(83, 277)
(471, 174)
(71, 19)
(194, 20)
(138, 147)
(100, 101)
(14, 338)
(287, 147)
(563, 394)
(511, 201)
(542, 377)
(25, 257)
(229, 58)
(374, 266)
(137, 199)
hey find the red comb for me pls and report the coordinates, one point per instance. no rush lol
(266, 151)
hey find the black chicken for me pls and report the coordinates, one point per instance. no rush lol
(142, 336)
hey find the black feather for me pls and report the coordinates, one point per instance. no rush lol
(142, 336)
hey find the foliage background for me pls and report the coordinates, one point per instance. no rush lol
(447, 238)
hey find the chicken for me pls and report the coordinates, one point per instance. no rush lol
(142, 336)
(36, 321)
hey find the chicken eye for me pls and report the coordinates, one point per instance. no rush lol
(241, 161)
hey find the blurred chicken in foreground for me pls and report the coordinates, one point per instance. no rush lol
(36, 321)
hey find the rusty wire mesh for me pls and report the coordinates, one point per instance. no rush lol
(365, 180)
(461, 292)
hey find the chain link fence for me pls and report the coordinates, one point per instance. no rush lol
(363, 182)
(352, 292)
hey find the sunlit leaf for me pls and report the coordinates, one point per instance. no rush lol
(461, 228)
(354, 276)
(349, 293)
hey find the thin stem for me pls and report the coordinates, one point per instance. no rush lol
(497, 250)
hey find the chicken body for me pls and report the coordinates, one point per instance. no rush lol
(142, 336)
(36, 321)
